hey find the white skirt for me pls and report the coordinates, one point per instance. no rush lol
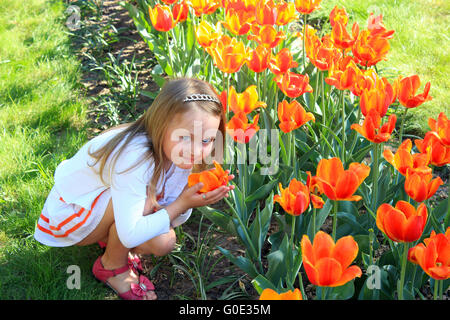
(64, 224)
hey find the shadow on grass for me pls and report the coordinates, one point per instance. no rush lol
(37, 272)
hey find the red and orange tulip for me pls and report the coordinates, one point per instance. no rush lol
(180, 11)
(259, 59)
(228, 54)
(406, 89)
(340, 184)
(371, 129)
(204, 6)
(292, 84)
(285, 13)
(307, 6)
(378, 99)
(207, 34)
(404, 160)
(315, 191)
(439, 154)
(369, 49)
(341, 38)
(441, 128)
(266, 36)
(265, 12)
(328, 264)
(434, 256)
(403, 223)
(270, 294)
(376, 27)
(211, 179)
(292, 115)
(420, 186)
(246, 101)
(322, 53)
(238, 21)
(340, 15)
(240, 129)
(294, 199)
(343, 74)
(282, 62)
(162, 18)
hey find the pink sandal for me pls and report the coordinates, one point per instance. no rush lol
(137, 291)
(133, 261)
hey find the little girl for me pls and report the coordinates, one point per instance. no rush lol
(126, 189)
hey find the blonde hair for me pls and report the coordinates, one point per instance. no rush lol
(154, 122)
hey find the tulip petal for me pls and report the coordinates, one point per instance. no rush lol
(348, 275)
(323, 245)
(345, 251)
(329, 270)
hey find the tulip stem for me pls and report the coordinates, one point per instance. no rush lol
(402, 125)
(343, 127)
(170, 52)
(335, 207)
(436, 285)
(402, 273)
(375, 169)
(441, 289)
(304, 39)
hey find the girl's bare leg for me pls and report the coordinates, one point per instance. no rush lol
(115, 255)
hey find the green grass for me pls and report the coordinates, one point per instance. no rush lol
(43, 121)
(420, 46)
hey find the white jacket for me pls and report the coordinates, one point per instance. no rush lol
(80, 184)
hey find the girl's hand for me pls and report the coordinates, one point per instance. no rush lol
(190, 198)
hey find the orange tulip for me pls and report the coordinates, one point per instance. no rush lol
(211, 179)
(269, 294)
(259, 59)
(434, 256)
(367, 80)
(204, 6)
(441, 128)
(246, 101)
(376, 27)
(371, 129)
(266, 36)
(265, 12)
(285, 13)
(341, 37)
(343, 74)
(315, 191)
(161, 17)
(322, 53)
(238, 21)
(282, 62)
(338, 15)
(228, 54)
(307, 6)
(206, 34)
(292, 84)
(240, 129)
(369, 49)
(340, 184)
(294, 199)
(438, 154)
(292, 115)
(180, 11)
(404, 160)
(378, 98)
(403, 223)
(406, 89)
(420, 186)
(328, 264)
(169, 1)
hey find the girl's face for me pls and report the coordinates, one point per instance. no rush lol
(190, 137)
